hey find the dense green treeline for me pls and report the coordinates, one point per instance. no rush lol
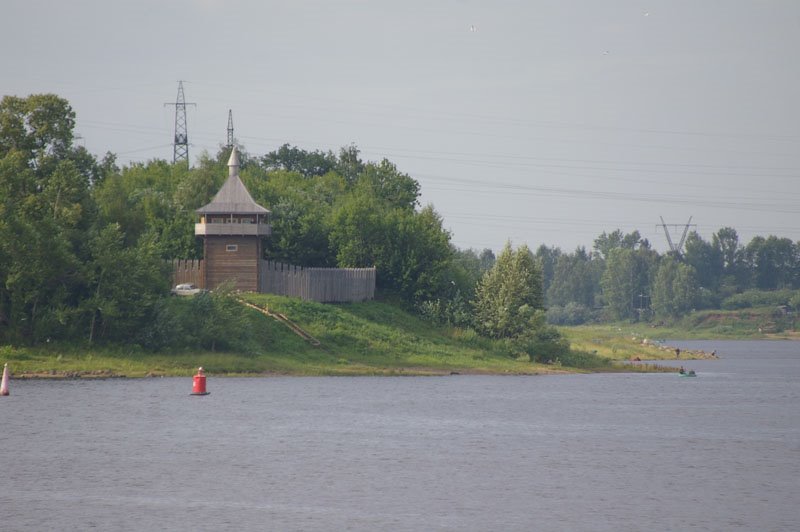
(623, 278)
(84, 246)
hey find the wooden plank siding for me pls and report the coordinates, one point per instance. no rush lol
(239, 266)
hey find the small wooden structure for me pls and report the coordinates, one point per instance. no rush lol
(232, 226)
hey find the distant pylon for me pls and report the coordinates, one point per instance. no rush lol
(677, 249)
(230, 129)
(180, 145)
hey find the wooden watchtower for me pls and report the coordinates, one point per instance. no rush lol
(232, 227)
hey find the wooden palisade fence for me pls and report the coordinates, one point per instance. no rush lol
(188, 271)
(324, 285)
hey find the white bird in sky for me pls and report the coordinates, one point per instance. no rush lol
(473, 28)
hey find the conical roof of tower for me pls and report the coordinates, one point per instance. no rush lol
(233, 197)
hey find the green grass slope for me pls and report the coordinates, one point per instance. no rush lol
(378, 338)
(371, 338)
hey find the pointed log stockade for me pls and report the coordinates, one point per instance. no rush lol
(323, 285)
(188, 271)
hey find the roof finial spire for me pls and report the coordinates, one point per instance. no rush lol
(233, 162)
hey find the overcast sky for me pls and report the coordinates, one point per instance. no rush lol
(542, 122)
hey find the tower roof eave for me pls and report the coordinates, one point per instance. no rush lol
(232, 198)
(231, 208)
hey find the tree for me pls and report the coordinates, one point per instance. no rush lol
(293, 159)
(349, 164)
(606, 242)
(576, 278)
(125, 284)
(42, 274)
(734, 275)
(468, 267)
(487, 259)
(156, 201)
(706, 259)
(301, 215)
(300, 234)
(626, 276)
(39, 126)
(726, 241)
(547, 257)
(390, 185)
(410, 250)
(674, 288)
(509, 297)
(772, 262)
(45, 215)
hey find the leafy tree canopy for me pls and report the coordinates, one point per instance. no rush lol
(509, 295)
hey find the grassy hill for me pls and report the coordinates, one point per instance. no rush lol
(371, 338)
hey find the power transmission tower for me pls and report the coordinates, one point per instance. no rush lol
(230, 129)
(180, 146)
(678, 250)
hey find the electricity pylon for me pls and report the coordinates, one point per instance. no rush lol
(180, 145)
(678, 250)
(230, 129)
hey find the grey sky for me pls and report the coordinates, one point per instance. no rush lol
(549, 123)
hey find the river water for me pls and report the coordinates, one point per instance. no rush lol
(567, 452)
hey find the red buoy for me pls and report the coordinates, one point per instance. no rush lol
(4, 383)
(199, 384)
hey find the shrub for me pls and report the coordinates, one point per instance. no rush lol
(212, 321)
(582, 359)
(707, 299)
(454, 311)
(570, 314)
(759, 298)
(544, 344)
(794, 302)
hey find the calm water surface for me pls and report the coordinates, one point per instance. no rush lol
(572, 452)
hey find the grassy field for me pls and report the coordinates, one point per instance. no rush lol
(625, 341)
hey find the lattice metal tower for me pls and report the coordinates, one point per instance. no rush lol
(180, 145)
(676, 249)
(230, 129)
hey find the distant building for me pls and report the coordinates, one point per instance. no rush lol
(232, 226)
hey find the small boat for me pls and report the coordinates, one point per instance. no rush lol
(689, 373)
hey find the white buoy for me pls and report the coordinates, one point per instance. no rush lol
(4, 384)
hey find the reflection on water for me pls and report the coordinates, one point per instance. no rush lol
(572, 452)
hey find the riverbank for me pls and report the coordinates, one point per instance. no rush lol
(631, 344)
(304, 339)
(233, 365)
(364, 339)
(645, 341)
